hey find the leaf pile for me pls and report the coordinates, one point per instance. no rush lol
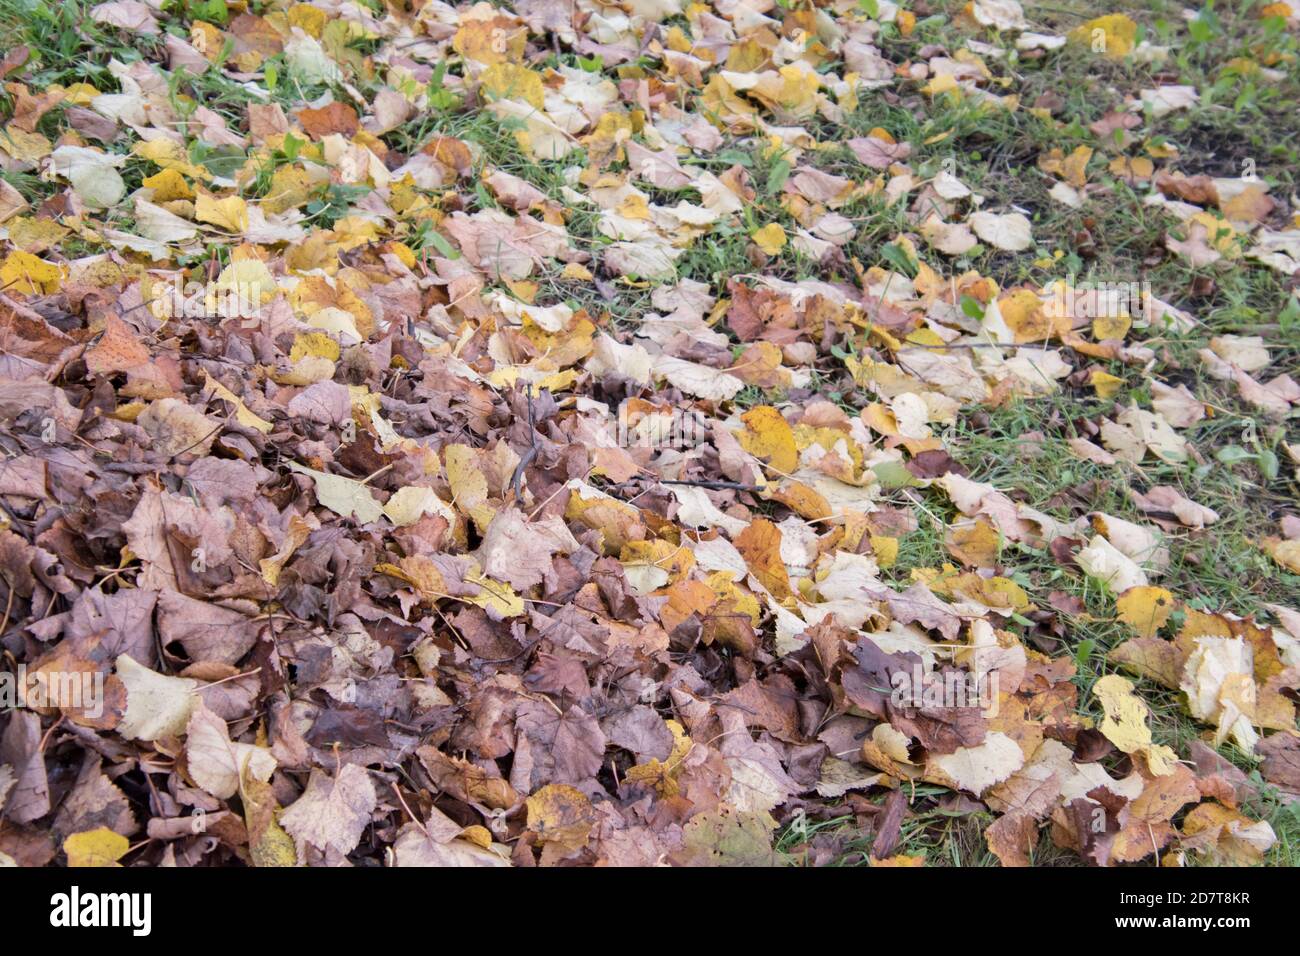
(464, 516)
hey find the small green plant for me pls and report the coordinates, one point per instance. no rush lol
(333, 201)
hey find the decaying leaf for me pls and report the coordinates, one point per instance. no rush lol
(332, 812)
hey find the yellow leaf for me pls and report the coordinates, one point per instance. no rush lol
(1075, 166)
(1145, 608)
(230, 214)
(881, 419)
(734, 605)
(1218, 231)
(207, 39)
(99, 847)
(496, 597)
(314, 345)
(25, 273)
(1132, 168)
(1107, 385)
(942, 83)
(898, 859)
(35, 235)
(885, 550)
(1285, 553)
(419, 572)
(1113, 36)
(299, 530)
(802, 499)
(497, 40)
(80, 94)
(1249, 206)
(617, 521)
(408, 505)
(662, 775)
(268, 844)
(353, 231)
(1237, 839)
(290, 186)
(673, 561)
(469, 490)
(241, 288)
(338, 321)
(771, 238)
(24, 146)
(168, 185)
(561, 816)
(1070, 168)
(169, 155)
(311, 20)
(1023, 313)
(1125, 723)
(1106, 327)
(760, 545)
(242, 413)
(993, 592)
(306, 371)
(974, 543)
(768, 435)
(510, 81)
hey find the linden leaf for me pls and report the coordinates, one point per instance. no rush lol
(230, 214)
(760, 544)
(215, 762)
(29, 275)
(242, 413)
(1145, 609)
(562, 817)
(98, 847)
(1010, 232)
(1125, 723)
(156, 705)
(268, 844)
(975, 769)
(1114, 35)
(344, 496)
(768, 435)
(770, 238)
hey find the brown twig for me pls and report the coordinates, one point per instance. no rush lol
(402, 801)
(516, 479)
(712, 485)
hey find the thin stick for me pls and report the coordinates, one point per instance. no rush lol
(516, 480)
(9, 604)
(402, 801)
(714, 485)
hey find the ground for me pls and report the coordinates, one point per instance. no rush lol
(449, 205)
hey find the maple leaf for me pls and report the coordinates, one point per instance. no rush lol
(554, 746)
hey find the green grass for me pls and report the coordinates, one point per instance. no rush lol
(995, 153)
